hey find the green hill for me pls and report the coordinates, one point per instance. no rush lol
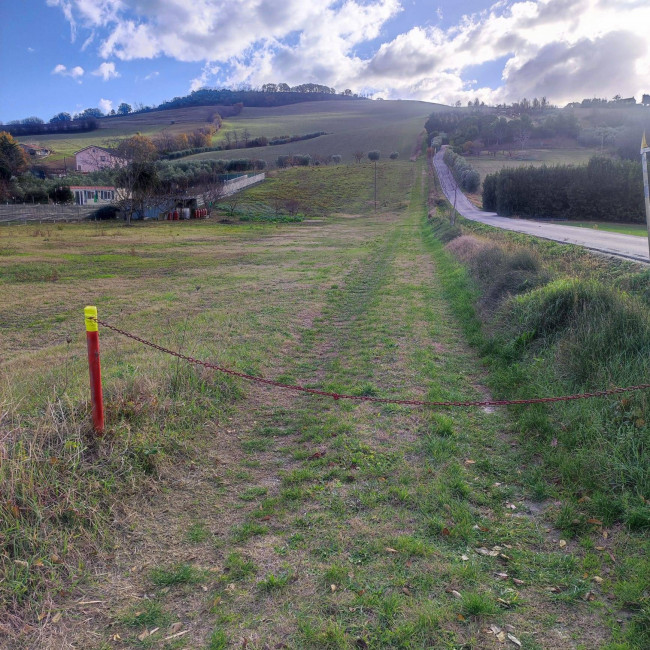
(384, 125)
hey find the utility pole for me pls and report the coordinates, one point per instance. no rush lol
(645, 150)
(376, 185)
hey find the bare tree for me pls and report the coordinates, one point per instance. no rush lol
(136, 176)
(232, 202)
(358, 155)
(211, 190)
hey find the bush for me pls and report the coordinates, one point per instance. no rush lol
(105, 212)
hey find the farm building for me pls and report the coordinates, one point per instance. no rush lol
(35, 150)
(84, 194)
(94, 158)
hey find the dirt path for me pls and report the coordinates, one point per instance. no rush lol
(301, 522)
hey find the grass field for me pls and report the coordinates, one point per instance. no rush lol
(485, 164)
(365, 125)
(234, 515)
(384, 125)
(625, 229)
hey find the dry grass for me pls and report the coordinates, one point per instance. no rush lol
(228, 500)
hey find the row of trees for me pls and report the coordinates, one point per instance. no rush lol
(604, 189)
(524, 105)
(166, 142)
(250, 97)
(490, 131)
(466, 176)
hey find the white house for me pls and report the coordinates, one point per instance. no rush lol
(100, 194)
(94, 158)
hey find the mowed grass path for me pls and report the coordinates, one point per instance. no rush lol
(291, 521)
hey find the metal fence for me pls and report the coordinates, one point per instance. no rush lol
(17, 213)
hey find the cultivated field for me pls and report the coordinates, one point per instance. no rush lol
(364, 125)
(215, 513)
(384, 125)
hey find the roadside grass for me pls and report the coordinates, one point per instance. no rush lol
(624, 228)
(569, 329)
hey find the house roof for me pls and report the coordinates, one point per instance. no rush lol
(113, 152)
(92, 187)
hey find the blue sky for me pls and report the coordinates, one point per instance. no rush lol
(67, 55)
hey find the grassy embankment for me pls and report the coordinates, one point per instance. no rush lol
(625, 229)
(559, 320)
(210, 501)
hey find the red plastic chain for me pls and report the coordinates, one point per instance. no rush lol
(367, 398)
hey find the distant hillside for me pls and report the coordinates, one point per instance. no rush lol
(350, 125)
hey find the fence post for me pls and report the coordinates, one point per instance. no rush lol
(92, 339)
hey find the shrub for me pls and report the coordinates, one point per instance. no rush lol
(105, 212)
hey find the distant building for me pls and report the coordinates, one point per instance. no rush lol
(84, 194)
(33, 150)
(94, 158)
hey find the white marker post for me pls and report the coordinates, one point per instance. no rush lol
(645, 150)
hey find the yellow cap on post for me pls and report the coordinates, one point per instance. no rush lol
(90, 314)
(644, 144)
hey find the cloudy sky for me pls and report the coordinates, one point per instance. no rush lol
(66, 55)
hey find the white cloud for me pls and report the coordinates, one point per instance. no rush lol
(105, 105)
(152, 75)
(106, 71)
(75, 72)
(559, 48)
(66, 7)
(88, 41)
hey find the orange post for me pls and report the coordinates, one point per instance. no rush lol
(92, 339)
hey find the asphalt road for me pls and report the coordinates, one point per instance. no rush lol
(610, 243)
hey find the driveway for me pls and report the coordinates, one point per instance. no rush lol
(610, 243)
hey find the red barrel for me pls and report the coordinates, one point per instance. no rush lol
(175, 215)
